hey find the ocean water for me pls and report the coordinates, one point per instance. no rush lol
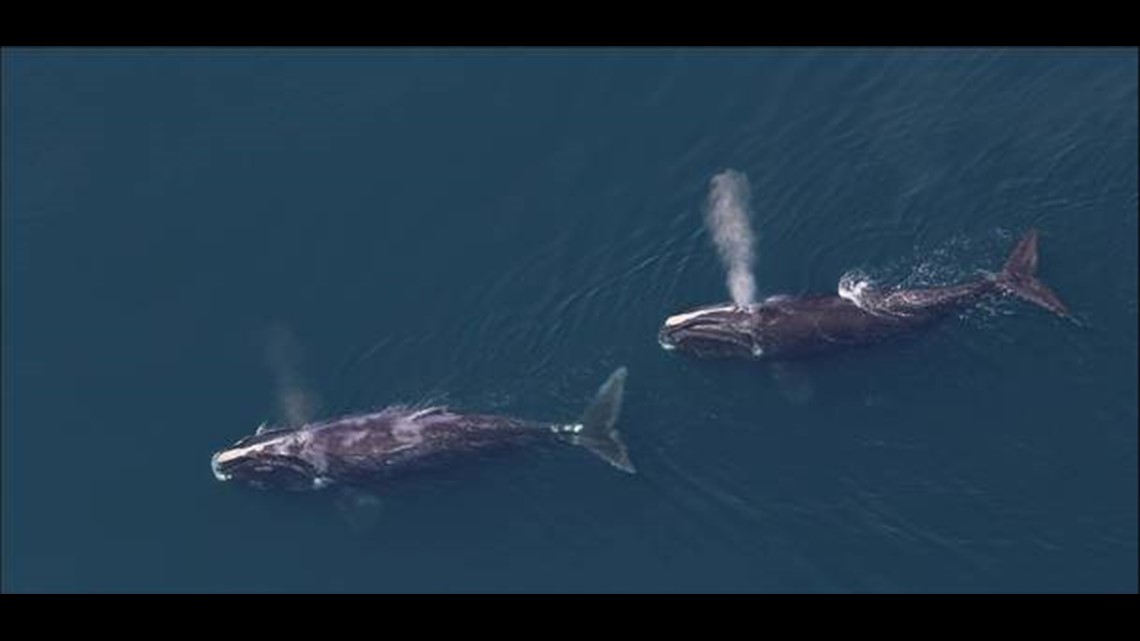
(499, 230)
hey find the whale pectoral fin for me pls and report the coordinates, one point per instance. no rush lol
(360, 509)
(793, 382)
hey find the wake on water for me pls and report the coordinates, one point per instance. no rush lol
(728, 218)
(958, 259)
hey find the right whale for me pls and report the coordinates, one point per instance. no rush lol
(786, 327)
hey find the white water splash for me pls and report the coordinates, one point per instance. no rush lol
(853, 286)
(727, 217)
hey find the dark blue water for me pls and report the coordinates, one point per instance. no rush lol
(500, 230)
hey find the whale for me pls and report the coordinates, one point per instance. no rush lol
(366, 451)
(784, 328)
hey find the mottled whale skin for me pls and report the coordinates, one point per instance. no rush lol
(369, 449)
(785, 327)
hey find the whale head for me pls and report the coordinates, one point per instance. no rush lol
(723, 330)
(268, 459)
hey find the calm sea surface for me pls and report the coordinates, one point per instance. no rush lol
(499, 230)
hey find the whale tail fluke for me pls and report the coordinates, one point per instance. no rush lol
(1019, 277)
(595, 429)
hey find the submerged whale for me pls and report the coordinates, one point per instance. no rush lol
(786, 327)
(364, 450)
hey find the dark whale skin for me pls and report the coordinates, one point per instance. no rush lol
(787, 327)
(370, 449)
